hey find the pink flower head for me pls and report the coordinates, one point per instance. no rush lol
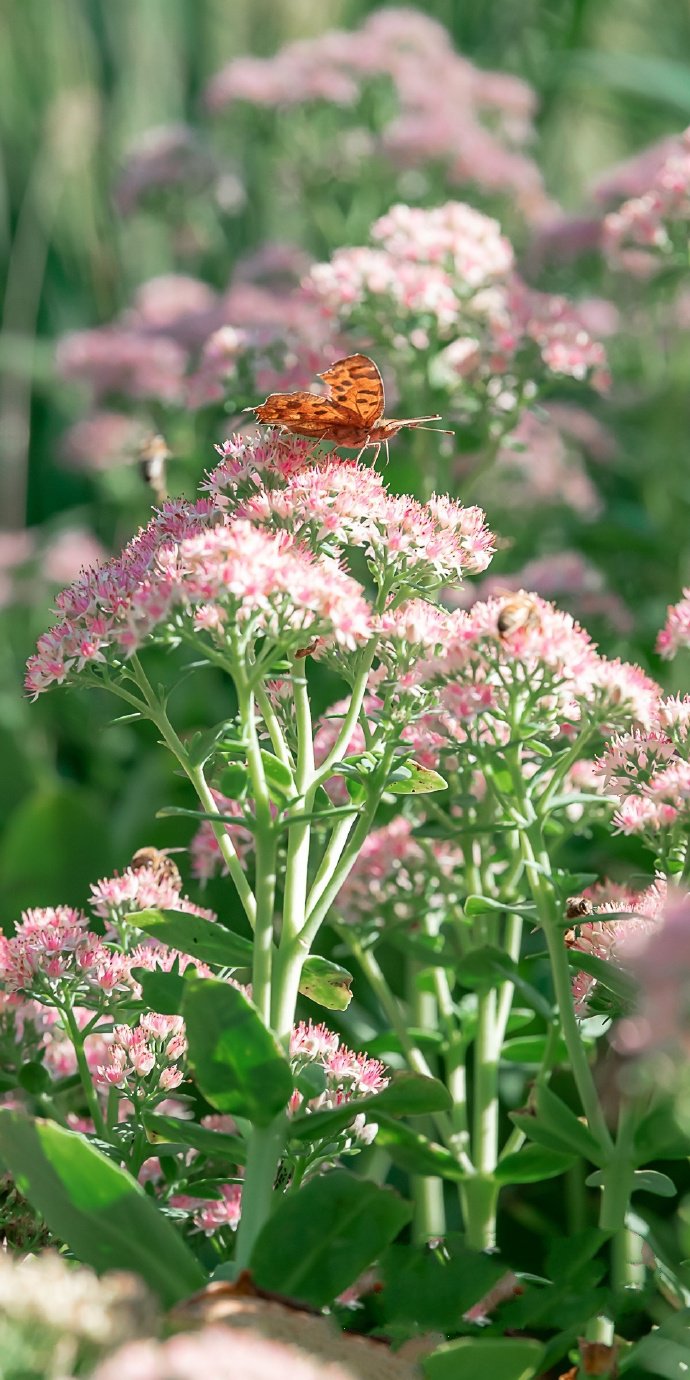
(268, 587)
(222, 1352)
(675, 634)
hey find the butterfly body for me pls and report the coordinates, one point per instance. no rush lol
(350, 414)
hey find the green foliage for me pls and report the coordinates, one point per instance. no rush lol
(238, 1064)
(94, 1206)
(319, 1240)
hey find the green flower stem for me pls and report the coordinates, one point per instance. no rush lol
(427, 1190)
(480, 1194)
(332, 854)
(155, 711)
(265, 854)
(90, 1093)
(293, 948)
(275, 732)
(618, 1174)
(456, 1073)
(627, 1260)
(429, 1219)
(263, 1158)
(538, 871)
(601, 1330)
(399, 1021)
(343, 864)
(225, 844)
(512, 941)
(359, 689)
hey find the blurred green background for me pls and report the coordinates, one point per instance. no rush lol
(79, 80)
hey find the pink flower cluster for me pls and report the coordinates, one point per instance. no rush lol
(473, 122)
(392, 883)
(144, 1059)
(113, 899)
(443, 281)
(649, 774)
(624, 919)
(638, 237)
(196, 571)
(334, 505)
(566, 576)
(348, 1075)
(211, 1215)
(675, 635)
(53, 953)
(659, 957)
(182, 343)
(222, 1352)
(521, 640)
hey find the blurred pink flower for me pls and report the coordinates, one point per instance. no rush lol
(219, 1352)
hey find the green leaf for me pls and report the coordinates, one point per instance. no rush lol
(532, 1164)
(416, 781)
(232, 781)
(161, 991)
(319, 1240)
(204, 939)
(278, 776)
(326, 983)
(212, 1143)
(607, 973)
(659, 1137)
(93, 1205)
(414, 1152)
(530, 1049)
(644, 1181)
(576, 1138)
(202, 745)
(484, 968)
(664, 1354)
(34, 1077)
(433, 1291)
(479, 905)
(408, 1094)
(536, 745)
(238, 1063)
(492, 1358)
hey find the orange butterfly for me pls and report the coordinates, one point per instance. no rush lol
(351, 413)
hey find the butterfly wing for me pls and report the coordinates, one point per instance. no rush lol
(355, 383)
(303, 414)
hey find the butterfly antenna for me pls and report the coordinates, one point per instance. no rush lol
(440, 430)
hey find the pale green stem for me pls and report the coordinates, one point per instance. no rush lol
(156, 712)
(332, 855)
(293, 949)
(317, 911)
(480, 1194)
(263, 1158)
(265, 854)
(399, 1021)
(618, 1174)
(350, 721)
(599, 1330)
(429, 1208)
(275, 732)
(512, 941)
(627, 1260)
(90, 1093)
(427, 1190)
(544, 896)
